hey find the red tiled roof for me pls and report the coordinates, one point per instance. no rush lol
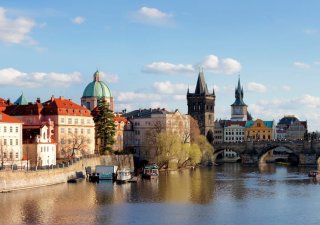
(119, 119)
(4, 118)
(240, 123)
(61, 106)
(3, 104)
(30, 109)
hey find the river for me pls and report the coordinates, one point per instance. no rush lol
(227, 194)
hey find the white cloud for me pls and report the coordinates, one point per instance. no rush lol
(78, 20)
(152, 16)
(304, 107)
(286, 88)
(256, 87)
(211, 63)
(15, 31)
(179, 97)
(136, 96)
(227, 65)
(13, 77)
(166, 87)
(301, 65)
(110, 78)
(168, 68)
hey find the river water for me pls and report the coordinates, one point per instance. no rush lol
(227, 194)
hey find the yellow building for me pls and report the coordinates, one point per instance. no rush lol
(259, 130)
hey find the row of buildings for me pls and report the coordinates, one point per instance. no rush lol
(39, 133)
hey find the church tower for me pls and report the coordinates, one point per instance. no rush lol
(201, 107)
(239, 109)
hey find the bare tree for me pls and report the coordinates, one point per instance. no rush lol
(74, 144)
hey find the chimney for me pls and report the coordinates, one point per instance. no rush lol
(52, 98)
(38, 100)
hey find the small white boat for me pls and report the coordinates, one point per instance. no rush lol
(123, 175)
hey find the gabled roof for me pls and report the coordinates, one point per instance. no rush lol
(62, 106)
(4, 118)
(268, 124)
(145, 113)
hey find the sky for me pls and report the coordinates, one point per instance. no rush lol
(150, 52)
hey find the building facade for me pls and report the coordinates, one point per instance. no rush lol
(201, 107)
(147, 123)
(234, 131)
(290, 127)
(95, 91)
(39, 147)
(10, 140)
(260, 130)
(73, 124)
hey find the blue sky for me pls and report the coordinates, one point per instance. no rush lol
(150, 52)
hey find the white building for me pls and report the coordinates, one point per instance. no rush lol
(10, 140)
(41, 150)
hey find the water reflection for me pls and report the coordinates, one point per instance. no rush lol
(207, 192)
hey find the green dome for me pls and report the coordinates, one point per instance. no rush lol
(97, 88)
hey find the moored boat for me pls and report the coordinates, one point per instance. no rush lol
(150, 171)
(123, 175)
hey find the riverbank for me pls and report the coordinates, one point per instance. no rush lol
(12, 180)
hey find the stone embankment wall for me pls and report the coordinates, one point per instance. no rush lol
(16, 179)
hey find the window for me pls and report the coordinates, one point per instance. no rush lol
(88, 131)
(62, 130)
(4, 141)
(5, 129)
(82, 121)
(75, 130)
(10, 129)
(62, 120)
(62, 141)
(82, 131)
(17, 141)
(11, 142)
(88, 141)
(17, 129)
(17, 155)
(69, 131)
(88, 121)
(69, 121)
(75, 121)
(11, 155)
(4, 155)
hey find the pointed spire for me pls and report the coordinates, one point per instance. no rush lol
(21, 100)
(188, 90)
(201, 87)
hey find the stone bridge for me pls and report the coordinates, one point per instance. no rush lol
(307, 152)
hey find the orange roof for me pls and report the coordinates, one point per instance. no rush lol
(4, 118)
(119, 119)
(62, 106)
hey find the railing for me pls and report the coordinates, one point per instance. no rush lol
(66, 163)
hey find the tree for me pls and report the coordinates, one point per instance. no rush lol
(168, 146)
(74, 144)
(105, 126)
(195, 154)
(206, 149)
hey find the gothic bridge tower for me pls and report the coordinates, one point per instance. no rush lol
(201, 107)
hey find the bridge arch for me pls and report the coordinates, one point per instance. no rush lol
(286, 154)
